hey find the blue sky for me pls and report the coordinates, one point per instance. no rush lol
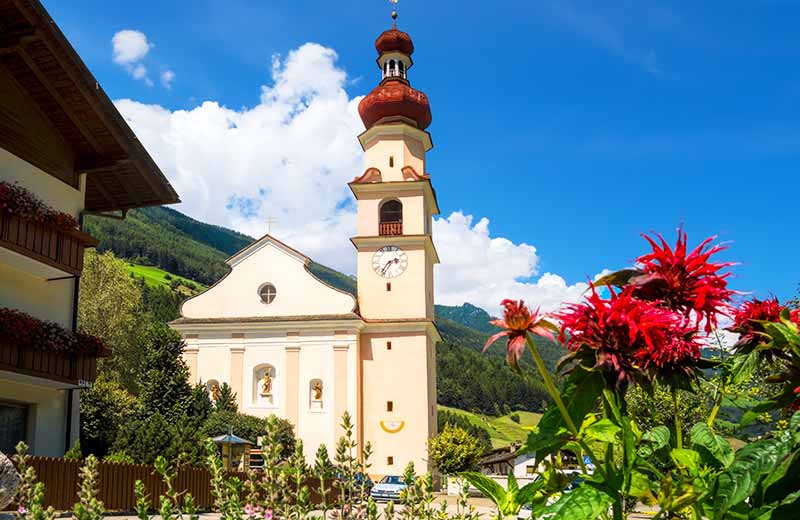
(571, 126)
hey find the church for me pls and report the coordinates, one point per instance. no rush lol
(290, 345)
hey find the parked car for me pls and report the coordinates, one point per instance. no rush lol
(360, 479)
(388, 489)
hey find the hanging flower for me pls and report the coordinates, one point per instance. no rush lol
(518, 321)
(627, 337)
(685, 281)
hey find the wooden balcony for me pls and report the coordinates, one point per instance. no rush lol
(45, 243)
(391, 229)
(75, 369)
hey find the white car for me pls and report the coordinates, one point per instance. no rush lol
(388, 489)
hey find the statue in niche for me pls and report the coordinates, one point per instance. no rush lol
(318, 391)
(266, 385)
(214, 392)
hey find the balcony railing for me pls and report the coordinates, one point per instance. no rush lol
(46, 243)
(76, 369)
(390, 229)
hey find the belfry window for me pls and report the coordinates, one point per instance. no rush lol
(402, 69)
(391, 218)
(392, 68)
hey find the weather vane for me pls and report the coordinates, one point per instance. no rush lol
(394, 13)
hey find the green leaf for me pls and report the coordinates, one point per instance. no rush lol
(528, 492)
(580, 393)
(686, 458)
(619, 278)
(654, 440)
(714, 444)
(744, 367)
(603, 430)
(640, 485)
(490, 489)
(584, 503)
(751, 462)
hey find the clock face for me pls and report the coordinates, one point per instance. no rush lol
(390, 261)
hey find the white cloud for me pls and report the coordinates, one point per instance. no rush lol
(290, 157)
(483, 270)
(130, 47)
(167, 77)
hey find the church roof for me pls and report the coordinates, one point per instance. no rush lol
(261, 242)
(267, 319)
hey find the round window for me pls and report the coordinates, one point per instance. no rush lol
(268, 293)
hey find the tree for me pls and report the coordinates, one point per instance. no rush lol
(226, 400)
(110, 307)
(454, 450)
(251, 428)
(164, 377)
(445, 417)
(146, 437)
(105, 407)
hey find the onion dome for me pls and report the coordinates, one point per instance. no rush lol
(394, 41)
(394, 100)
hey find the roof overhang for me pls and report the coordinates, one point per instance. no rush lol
(397, 187)
(398, 129)
(399, 240)
(340, 322)
(37, 56)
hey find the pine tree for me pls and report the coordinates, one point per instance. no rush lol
(164, 378)
(226, 400)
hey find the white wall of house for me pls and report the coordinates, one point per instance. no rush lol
(46, 409)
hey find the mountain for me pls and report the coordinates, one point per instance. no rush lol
(183, 247)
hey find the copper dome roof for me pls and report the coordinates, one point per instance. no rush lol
(393, 98)
(394, 40)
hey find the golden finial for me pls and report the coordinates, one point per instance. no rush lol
(394, 14)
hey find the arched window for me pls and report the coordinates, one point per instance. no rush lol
(402, 69)
(391, 218)
(385, 69)
(392, 68)
(265, 385)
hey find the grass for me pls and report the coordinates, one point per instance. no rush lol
(502, 430)
(155, 277)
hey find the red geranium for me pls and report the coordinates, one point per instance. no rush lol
(517, 321)
(685, 281)
(18, 201)
(28, 333)
(627, 337)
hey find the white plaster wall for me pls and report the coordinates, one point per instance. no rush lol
(42, 299)
(407, 299)
(213, 359)
(269, 351)
(316, 427)
(299, 292)
(399, 375)
(52, 191)
(46, 415)
(415, 214)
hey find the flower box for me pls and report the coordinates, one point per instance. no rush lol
(70, 368)
(45, 242)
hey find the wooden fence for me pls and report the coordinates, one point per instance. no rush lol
(61, 481)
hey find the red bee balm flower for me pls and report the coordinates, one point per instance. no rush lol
(517, 321)
(626, 336)
(746, 318)
(685, 281)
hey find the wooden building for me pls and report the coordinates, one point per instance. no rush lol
(65, 151)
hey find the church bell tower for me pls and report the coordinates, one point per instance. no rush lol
(396, 256)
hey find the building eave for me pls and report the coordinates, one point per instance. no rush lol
(398, 240)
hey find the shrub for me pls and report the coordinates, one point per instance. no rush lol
(454, 450)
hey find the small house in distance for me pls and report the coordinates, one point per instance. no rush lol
(65, 151)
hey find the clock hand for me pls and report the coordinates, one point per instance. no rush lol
(390, 262)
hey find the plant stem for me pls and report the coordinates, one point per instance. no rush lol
(678, 430)
(721, 388)
(556, 395)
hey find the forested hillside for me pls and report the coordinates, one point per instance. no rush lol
(173, 242)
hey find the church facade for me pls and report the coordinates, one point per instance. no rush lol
(292, 346)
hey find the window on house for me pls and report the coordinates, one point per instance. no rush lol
(388, 345)
(389, 406)
(530, 470)
(390, 461)
(391, 162)
(13, 426)
(268, 293)
(388, 287)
